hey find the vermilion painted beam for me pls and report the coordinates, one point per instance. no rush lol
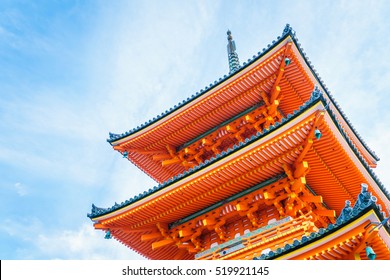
(276, 90)
(301, 169)
(368, 235)
(100, 226)
(162, 243)
(185, 232)
(272, 109)
(170, 161)
(162, 157)
(242, 206)
(231, 128)
(326, 213)
(146, 237)
(305, 149)
(312, 198)
(208, 222)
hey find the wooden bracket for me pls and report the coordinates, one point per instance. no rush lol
(150, 236)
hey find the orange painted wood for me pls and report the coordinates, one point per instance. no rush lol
(162, 243)
(150, 236)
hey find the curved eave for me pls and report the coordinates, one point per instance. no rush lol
(336, 185)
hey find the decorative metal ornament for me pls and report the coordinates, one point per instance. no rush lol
(370, 253)
(317, 133)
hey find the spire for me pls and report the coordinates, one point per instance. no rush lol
(234, 63)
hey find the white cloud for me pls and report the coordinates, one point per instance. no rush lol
(21, 189)
(22, 228)
(83, 243)
(39, 241)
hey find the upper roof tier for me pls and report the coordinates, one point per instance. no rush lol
(280, 79)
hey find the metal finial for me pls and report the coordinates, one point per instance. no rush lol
(229, 33)
(234, 63)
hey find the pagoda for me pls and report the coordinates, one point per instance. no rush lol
(261, 164)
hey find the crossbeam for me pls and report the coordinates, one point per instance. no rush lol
(162, 243)
(326, 213)
(150, 236)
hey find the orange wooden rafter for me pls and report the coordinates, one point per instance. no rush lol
(340, 184)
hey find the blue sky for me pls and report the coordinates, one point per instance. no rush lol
(71, 71)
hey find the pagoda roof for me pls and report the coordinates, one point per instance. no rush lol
(241, 80)
(371, 213)
(100, 214)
